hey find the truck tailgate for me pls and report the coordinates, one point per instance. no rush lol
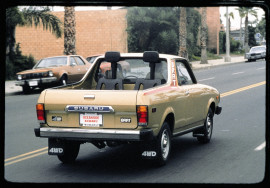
(91, 109)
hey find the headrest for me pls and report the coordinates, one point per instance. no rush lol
(151, 56)
(112, 56)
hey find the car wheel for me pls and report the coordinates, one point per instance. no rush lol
(63, 80)
(163, 144)
(207, 129)
(26, 89)
(71, 150)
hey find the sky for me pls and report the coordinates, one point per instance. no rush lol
(235, 23)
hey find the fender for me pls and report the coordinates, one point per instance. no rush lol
(61, 73)
(211, 100)
(164, 116)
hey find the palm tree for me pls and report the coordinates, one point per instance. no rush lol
(29, 17)
(203, 37)
(231, 15)
(246, 11)
(242, 15)
(183, 33)
(69, 31)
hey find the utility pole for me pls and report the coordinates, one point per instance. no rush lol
(227, 58)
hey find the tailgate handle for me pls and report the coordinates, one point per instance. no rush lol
(89, 96)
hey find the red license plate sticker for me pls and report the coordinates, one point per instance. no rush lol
(91, 120)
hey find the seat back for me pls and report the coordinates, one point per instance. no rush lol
(146, 83)
(110, 84)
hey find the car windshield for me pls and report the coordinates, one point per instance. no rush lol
(258, 49)
(133, 68)
(52, 62)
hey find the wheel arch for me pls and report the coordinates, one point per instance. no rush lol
(212, 105)
(168, 117)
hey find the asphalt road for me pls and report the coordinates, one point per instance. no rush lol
(236, 153)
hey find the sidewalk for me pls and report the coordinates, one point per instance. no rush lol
(11, 88)
(217, 62)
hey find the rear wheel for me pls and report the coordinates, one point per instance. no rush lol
(71, 150)
(163, 144)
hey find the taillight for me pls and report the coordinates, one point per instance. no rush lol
(142, 115)
(40, 113)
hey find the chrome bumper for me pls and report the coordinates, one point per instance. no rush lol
(38, 80)
(94, 134)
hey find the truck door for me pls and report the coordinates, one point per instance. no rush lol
(193, 108)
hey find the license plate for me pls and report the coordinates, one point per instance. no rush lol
(91, 120)
(33, 83)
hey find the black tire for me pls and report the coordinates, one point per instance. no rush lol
(26, 89)
(63, 80)
(207, 129)
(71, 151)
(163, 144)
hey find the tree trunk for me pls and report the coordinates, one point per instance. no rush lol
(183, 34)
(246, 35)
(240, 36)
(203, 37)
(69, 31)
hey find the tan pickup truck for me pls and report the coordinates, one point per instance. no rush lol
(157, 99)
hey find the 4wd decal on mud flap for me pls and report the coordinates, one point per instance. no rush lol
(56, 151)
(149, 154)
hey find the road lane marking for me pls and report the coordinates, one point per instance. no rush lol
(242, 89)
(22, 159)
(237, 73)
(42, 151)
(28, 156)
(260, 68)
(11, 158)
(206, 79)
(260, 147)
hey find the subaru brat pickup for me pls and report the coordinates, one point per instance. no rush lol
(157, 99)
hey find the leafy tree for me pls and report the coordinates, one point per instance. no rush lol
(18, 63)
(157, 28)
(29, 17)
(251, 36)
(261, 27)
(145, 25)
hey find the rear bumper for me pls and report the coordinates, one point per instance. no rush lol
(94, 134)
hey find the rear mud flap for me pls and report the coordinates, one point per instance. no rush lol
(56, 147)
(148, 149)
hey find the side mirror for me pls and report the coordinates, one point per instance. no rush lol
(73, 64)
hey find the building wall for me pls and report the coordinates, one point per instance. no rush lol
(213, 23)
(96, 33)
(214, 26)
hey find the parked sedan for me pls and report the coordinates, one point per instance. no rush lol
(53, 71)
(256, 52)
